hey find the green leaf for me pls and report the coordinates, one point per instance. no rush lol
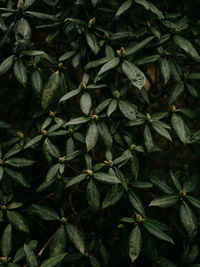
(102, 106)
(19, 162)
(113, 196)
(125, 6)
(176, 91)
(43, 212)
(75, 238)
(93, 42)
(135, 75)
(41, 16)
(188, 220)
(78, 120)
(161, 184)
(179, 127)
(98, 62)
(17, 221)
(37, 83)
(22, 33)
(148, 139)
(112, 107)
(165, 69)
(157, 126)
(51, 148)
(33, 141)
(146, 60)
(161, 261)
(127, 219)
(134, 166)
(186, 46)
(92, 136)
(20, 252)
(20, 72)
(128, 109)
(58, 243)
(85, 103)
(105, 134)
(67, 55)
(93, 196)
(136, 202)
(17, 177)
(106, 178)
(111, 64)
(53, 261)
(1, 172)
(30, 257)
(194, 201)
(155, 230)
(7, 241)
(6, 64)
(139, 46)
(164, 201)
(50, 90)
(175, 181)
(135, 243)
(76, 180)
(28, 3)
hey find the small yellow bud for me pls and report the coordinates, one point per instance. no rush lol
(91, 22)
(89, 172)
(95, 117)
(44, 132)
(116, 94)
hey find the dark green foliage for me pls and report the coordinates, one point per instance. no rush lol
(99, 133)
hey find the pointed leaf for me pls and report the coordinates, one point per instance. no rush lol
(135, 75)
(93, 196)
(30, 257)
(92, 136)
(75, 237)
(135, 243)
(111, 64)
(17, 221)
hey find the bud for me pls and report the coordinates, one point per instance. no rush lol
(106, 36)
(44, 132)
(95, 117)
(139, 218)
(4, 260)
(60, 65)
(51, 114)
(70, 130)
(109, 163)
(120, 226)
(21, 135)
(148, 117)
(91, 22)
(183, 193)
(121, 52)
(132, 147)
(173, 108)
(86, 254)
(62, 159)
(83, 86)
(1, 162)
(20, 6)
(63, 220)
(148, 24)
(89, 172)
(116, 94)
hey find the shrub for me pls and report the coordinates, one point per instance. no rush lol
(99, 133)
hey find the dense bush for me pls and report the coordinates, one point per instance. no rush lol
(99, 133)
